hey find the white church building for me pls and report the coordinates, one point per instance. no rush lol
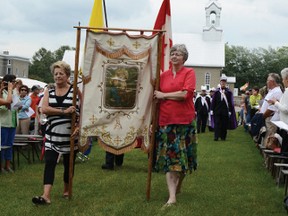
(206, 49)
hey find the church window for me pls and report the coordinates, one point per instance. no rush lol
(207, 80)
(212, 18)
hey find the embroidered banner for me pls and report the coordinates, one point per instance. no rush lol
(118, 74)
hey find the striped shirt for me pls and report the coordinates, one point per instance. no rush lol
(58, 130)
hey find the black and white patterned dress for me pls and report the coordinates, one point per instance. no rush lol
(58, 130)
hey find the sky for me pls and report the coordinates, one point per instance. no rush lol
(28, 25)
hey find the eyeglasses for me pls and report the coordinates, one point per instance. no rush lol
(6, 82)
(23, 90)
(176, 54)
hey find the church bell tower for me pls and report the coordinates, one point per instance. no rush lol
(212, 31)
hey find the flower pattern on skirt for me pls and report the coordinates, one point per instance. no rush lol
(176, 148)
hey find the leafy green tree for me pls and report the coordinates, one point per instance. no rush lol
(59, 53)
(41, 62)
(254, 65)
(238, 64)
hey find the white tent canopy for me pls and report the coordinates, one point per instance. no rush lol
(31, 82)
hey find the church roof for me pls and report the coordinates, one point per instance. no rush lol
(201, 53)
(216, 3)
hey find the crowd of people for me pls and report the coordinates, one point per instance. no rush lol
(182, 115)
(215, 110)
(18, 110)
(175, 137)
(24, 113)
(261, 108)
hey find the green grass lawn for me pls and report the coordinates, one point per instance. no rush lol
(230, 180)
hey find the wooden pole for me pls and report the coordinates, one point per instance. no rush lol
(73, 121)
(155, 111)
(105, 13)
(120, 29)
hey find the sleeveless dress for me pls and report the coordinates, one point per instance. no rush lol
(58, 130)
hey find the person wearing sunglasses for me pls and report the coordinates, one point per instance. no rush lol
(24, 119)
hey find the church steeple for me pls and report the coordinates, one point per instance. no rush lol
(213, 31)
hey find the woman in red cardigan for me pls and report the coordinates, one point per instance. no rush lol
(176, 136)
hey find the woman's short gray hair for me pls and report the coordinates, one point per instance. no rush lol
(275, 77)
(181, 48)
(284, 73)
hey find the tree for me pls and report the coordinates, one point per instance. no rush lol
(238, 64)
(254, 65)
(42, 61)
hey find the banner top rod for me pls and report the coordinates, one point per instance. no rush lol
(118, 29)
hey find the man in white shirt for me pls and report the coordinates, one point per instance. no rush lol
(267, 109)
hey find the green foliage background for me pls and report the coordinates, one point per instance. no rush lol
(254, 65)
(41, 62)
(247, 65)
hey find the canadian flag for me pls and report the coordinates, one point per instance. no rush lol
(163, 22)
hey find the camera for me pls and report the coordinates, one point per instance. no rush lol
(5, 84)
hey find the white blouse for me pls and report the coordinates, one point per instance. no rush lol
(282, 106)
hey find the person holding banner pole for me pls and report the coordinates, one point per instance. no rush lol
(176, 135)
(57, 106)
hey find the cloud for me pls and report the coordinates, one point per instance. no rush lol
(26, 26)
(253, 23)
(43, 16)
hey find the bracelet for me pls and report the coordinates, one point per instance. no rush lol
(62, 111)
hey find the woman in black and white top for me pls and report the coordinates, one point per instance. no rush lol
(57, 105)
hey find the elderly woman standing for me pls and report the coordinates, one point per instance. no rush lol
(176, 136)
(57, 105)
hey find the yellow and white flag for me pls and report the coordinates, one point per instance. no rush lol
(97, 17)
(96, 21)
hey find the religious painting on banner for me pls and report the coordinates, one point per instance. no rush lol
(119, 72)
(120, 86)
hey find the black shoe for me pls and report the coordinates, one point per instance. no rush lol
(215, 139)
(38, 200)
(106, 167)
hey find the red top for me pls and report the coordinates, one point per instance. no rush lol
(34, 102)
(172, 111)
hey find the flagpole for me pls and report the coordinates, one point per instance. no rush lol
(155, 111)
(105, 13)
(73, 121)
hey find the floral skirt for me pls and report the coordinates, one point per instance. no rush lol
(176, 148)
